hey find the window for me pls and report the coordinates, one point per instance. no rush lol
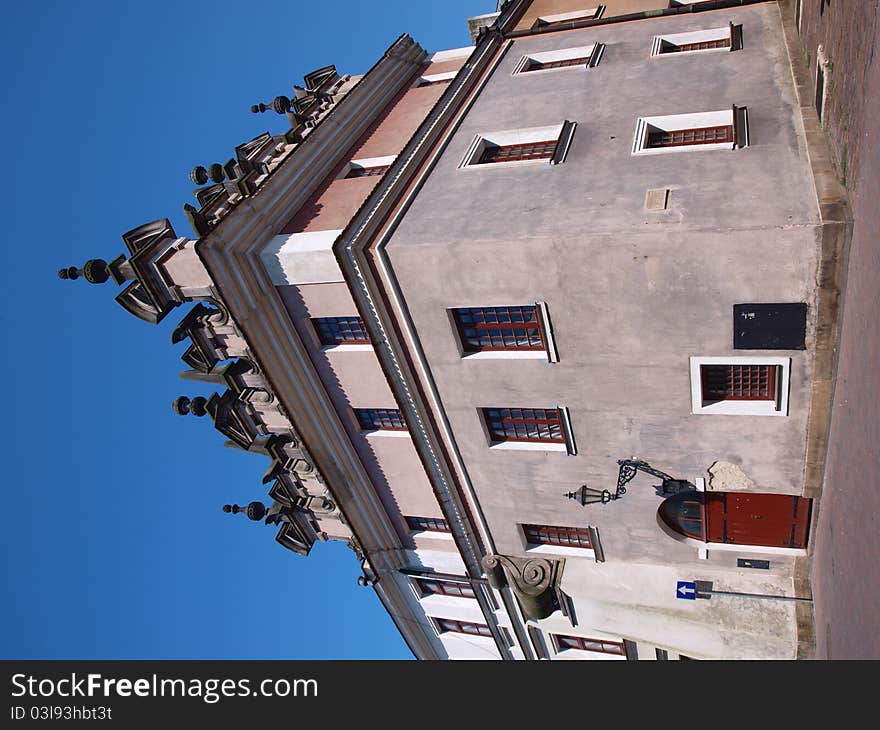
(432, 586)
(367, 167)
(531, 429)
(713, 39)
(583, 56)
(366, 171)
(432, 79)
(740, 385)
(462, 627)
(720, 130)
(427, 524)
(577, 537)
(599, 646)
(379, 419)
(559, 18)
(341, 331)
(499, 328)
(520, 146)
(524, 424)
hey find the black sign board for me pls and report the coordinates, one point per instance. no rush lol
(769, 326)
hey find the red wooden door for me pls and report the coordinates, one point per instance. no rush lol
(743, 518)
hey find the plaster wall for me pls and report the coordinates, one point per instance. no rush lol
(354, 379)
(631, 294)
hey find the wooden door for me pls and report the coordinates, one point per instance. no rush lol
(744, 518)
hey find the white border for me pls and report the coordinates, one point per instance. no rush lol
(502, 138)
(696, 36)
(673, 122)
(778, 407)
(347, 348)
(433, 78)
(450, 54)
(563, 54)
(583, 14)
(366, 163)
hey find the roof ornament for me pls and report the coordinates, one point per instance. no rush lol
(255, 511)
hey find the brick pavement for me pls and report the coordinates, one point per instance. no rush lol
(846, 540)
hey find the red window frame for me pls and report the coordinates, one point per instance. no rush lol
(380, 419)
(341, 330)
(427, 524)
(366, 171)
(542, 65)
(739, 382)
(577, 537)
(462, 627)
(436, 587)
(535, 425)
(599, 646)
(483, 329)
(667, 47)
(514, 152)
(687, 137)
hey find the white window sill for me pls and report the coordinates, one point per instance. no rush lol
(385, 433)
(528, 446)
(431, 534)
(506, 355)
(571, 552)
(347, 348)
(686, 148)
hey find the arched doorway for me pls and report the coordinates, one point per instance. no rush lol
(739, 518)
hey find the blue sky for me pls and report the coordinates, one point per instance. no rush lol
(113, 539)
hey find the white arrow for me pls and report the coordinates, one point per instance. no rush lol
(685, 591)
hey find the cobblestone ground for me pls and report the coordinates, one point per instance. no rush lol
(846, 563)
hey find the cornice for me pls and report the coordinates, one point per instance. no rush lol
(230, 253)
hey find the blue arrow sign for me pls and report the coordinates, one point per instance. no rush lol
(686, 590)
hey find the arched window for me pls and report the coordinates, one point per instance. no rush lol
(684, 513)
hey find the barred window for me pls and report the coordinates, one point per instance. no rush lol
(683, 137)
(372, 419)
(430, 586)
(667, 47)
(601, 646)
(524, 424)
(499, 328)
(366, 171)
(429, 524)
(341, 330)
(542, 65)
(462, 627)
(579, 537)
(515, 152)
(738, 382)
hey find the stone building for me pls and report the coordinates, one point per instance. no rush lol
(542, 328)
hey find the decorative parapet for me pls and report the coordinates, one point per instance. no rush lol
(534, 582)
(163, 269)
(242, 176)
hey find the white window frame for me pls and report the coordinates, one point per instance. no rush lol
(433, 78)
(593, 52)
(778, 407)
(675, 122)
(550, 353)
(366, 163)
(582, 14)
(533, 548)
(567, 447)
(526, 135)
(595, 635)
(695, 36)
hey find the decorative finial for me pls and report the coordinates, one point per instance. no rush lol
(255, 511)
(215, 173)
(183, 406)
(95, 271)
(279, 105)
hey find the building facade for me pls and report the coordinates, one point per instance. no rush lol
(542, 328)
